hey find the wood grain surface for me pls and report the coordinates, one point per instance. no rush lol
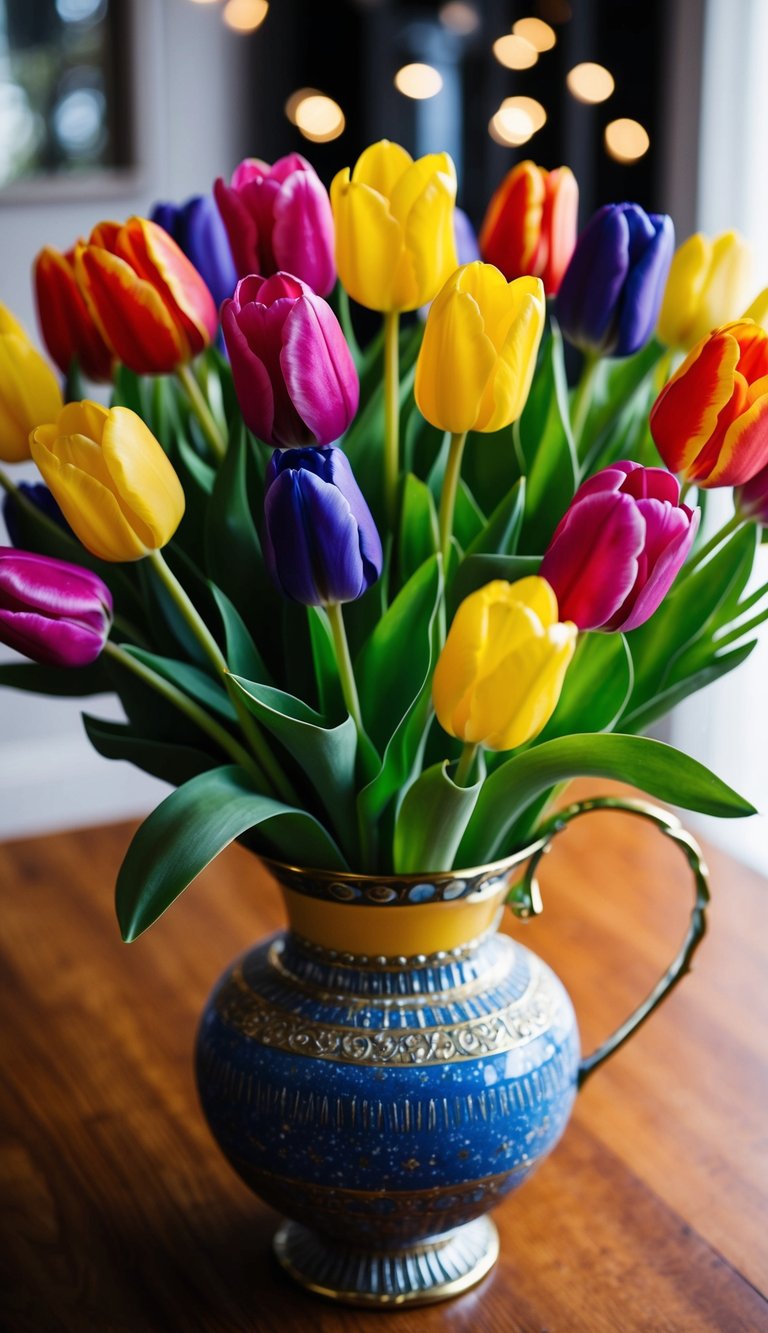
(118, 1213)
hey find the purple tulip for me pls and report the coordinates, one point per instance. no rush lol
(321, 544)
(279, 218)
(293, 371)
(618, 548)
(198, 230)
(53, 612)
(41, 498)
(610, 296)
(467, 244)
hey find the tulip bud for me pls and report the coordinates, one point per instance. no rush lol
(278, 219)
(610, 295)
(705, 288)
(198, 230)
(499, 676)
(51, 611)
(395, 243)
(36, 494)
(530, 225)
(478, 355)
(29, 390)
(151, 306)
(111, 478)
(293, 371)
(619, 547)
(320, 541)
(68, 328)
(710, 422)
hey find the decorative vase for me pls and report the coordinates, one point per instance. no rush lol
(390, 1067)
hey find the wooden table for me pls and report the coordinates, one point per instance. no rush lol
(118, 1213)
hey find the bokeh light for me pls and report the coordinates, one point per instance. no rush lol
(459, 17)
(540, 35)
(626, 140)
(510, 126)
(245, 15)
(589, 82)
(319, 118)
(418, 81)
(514, 52)
(530, 108)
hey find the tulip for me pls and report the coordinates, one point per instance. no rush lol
(293, 371)
(150, 304)
(751, 499)
(710, 422)
(705, 288)
(321, 544)
(29, 390)
(68, 328)
(115, 486)
(530, 224)
(395, 243)
(36, 494)
(499, 676)
(619, 547)
(198, 230)
(609, 298)
(478, 354)
(758, 311)
(279, 218)
(51, 611)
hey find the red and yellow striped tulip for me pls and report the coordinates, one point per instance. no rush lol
(530, 225)
(710, 422)
(150, 304)
(68, 328)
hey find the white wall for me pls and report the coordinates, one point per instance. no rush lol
(187, 67)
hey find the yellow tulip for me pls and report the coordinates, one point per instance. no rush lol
(115, 486)
(758, 311)
(478, 354)
(395, 243)
(499, 676)
(29, 390)
(705, 288)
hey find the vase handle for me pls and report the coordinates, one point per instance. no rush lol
(525, 900)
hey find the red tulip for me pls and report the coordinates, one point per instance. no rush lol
(530, 225)
(618, 548)
(710, 422)
(68, 329)
(149, 302)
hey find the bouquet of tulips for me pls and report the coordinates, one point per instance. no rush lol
(368, 608)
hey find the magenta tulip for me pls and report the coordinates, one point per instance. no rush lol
(618, 548)
(53, 612)
(279, 219)
(293, 371)
(751, 499)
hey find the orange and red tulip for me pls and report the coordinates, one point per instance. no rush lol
(68, 328)
(530, 225)
(149, 302)
(710, 422)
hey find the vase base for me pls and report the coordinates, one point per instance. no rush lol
(419, 1274)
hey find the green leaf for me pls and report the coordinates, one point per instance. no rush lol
(243, 657)
(326, 754)
(656, 768)
(499, 535)
(201, 473)
(196, 822)
(233, 551)
(597, 686)
(133, 391)
(618, 381)
(419, 535)
(67, 682)
(431, 821)
(191, 679)
(640, 718)
(546, 444)
(162, 759)
(477, 570)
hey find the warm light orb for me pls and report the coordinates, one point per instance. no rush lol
(589, 82)
(459, 17)
(319, 118)
(626, 140)
(294, 101)
(245, 15)
(418, 81)
(540, 35)
(510, 126)
(515, 52)
(530, 108)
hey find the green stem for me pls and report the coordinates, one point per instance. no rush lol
(391, 411)
(448, 497)
(582, 400)
(37, 514)
(186, 705)
(345, 320)
(720, 536)
(202, 411)
(198, 627)
(466, 761)
(344, 663)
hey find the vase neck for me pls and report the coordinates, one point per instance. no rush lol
(392, 932)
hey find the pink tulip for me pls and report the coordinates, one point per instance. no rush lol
(56, 613)
(293, 371)
(619, 546)
(279, 219)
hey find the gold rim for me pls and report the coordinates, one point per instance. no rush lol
(426, 876)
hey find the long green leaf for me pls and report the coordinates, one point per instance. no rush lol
(431, 821)
(419, 538)
(501, 532)
(597, 685)
(196, 822)
(74, 683)
(656, 768)
(171, 763)
(547, 446)
(243, 657)
(191, 679)
(639, 719)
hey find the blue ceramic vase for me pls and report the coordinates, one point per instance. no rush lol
(389, 1068)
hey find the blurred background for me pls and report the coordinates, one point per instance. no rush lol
(109, 105)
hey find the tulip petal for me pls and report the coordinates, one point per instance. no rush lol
(129, 312)
(685, 415)
(381, 165)
(340, 474)
(302, 235)
(670, 532)
(55, 643)
(142, 476)
(156, 257)
(511, 233)
(318, 368)
(511, 705)
(682, 294)
(241, 228)
(66, 323)
(593, 282)
(456, 668)
(369, 270)
(507, 392)
(559, 226)
(724, 285)
(29, 395)
(91, 510)
(592, 564)
(454, 336)
(645, 281)
(430, 245)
